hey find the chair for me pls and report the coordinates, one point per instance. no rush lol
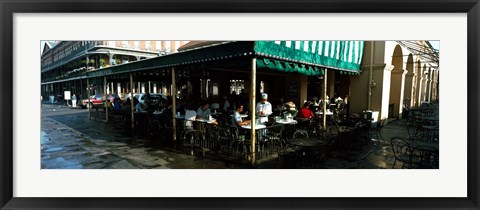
(401, 152)
(274, 138)
(236, 140)
(376, 133)
(190, 116)
(428, 157)
(191, 139)
(301, 134)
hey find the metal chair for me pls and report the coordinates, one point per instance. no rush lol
(401, 152)
(274, 139)
(428, 157)
(376, 133)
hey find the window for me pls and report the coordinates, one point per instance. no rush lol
(147, 45)
(237, 86)
(158, 45)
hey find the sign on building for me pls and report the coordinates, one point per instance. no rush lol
(67, 95)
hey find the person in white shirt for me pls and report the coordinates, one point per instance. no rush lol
(203, 111)
(237, 120)
(74, 101)
(264, 108)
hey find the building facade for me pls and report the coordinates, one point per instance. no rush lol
(392, 75)
(64, 62)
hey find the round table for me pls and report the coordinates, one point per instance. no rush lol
(282, 121)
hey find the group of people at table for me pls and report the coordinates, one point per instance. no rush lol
(263, 110)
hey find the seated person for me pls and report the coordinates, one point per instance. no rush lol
(236, 119)
(203, 111)
(305, 112)
(141, 107)
(116, 104)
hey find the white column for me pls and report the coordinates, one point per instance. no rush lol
(119, 87)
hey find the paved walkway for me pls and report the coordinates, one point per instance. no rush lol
(71, 140)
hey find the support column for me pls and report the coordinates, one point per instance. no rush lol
(88, 96)
(119, 88)
(418, 90)
(331, 84)
(423, 82)
(105, 85)
(397, 91)
(111, 60)
(174, 106)
(303, 90)
(253, 91)
(131, 102)
(203, 85)
(381, 90)
(408, 89)
(429, 85)
(424, 88)
(324, 108)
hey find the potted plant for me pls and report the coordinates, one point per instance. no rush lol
(102, 62)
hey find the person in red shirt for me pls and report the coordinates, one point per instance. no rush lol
(305, 112)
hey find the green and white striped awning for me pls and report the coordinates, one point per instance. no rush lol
(303, 57)
(310, 57)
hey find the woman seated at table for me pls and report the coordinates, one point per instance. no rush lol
(305, 112)
(203, 112)
(236, 119)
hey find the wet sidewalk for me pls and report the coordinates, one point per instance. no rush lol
(70, 140)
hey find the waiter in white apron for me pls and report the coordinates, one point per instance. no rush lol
(264, 108)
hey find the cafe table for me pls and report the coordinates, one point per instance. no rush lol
(205, 143)
(321, 113)
(259, 128)
(309, 146)
(284, 121)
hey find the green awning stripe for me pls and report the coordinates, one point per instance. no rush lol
(360, 53)
(329, 49)
(324, 46)
(347, 51)
(354, 55)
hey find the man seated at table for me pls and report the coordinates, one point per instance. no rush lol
(236, 119)
(305, 112)
(203, 111)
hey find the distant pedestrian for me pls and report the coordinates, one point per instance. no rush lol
(74, 101)
(52, 98)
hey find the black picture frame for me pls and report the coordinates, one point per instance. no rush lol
(10, 7)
